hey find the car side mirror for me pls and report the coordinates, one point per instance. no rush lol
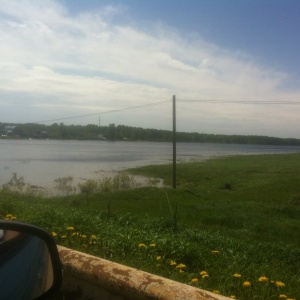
(30, 267)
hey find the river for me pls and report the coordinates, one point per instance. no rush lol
(40, 162)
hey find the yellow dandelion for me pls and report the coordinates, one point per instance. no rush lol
(83, 236)
(216, 291)
(142, 246)
(158, 257)
(263, 279)
(54, 234)
(180, 266)
(282, 296)
(246, 284)
(70, 228)
(194, 280)
(205, 276)
(290, 299)
(279, 284)
(237, 275)
(13, 218)
(181, 271)
(203, 273)
(93, 237)
(232, 297)
(8, 216)
(173, 263)
(63, 236)
(152, 245)
(215, 252)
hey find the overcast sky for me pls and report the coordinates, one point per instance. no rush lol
(233, 65)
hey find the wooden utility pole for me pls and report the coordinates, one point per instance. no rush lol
(174, 142)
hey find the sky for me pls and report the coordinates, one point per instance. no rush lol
(233, 65)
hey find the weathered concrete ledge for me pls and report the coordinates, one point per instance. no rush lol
(89, 277)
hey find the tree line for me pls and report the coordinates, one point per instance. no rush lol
(114, 132)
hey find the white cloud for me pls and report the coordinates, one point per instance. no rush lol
(86, 63)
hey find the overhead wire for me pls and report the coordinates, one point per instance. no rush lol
(213, 101)
(103, 112)
(208, 101)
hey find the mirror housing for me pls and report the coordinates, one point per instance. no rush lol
(29, 262)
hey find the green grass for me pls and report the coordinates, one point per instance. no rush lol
(245, 207)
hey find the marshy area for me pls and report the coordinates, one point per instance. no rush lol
(231, 226)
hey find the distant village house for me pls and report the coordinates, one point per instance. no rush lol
(8, 130)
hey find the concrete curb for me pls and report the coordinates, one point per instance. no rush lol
(90, 277)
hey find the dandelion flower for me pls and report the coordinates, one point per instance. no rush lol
(263, 279)
(54, 234)
(180, 266)
(237, 275)
(282, 296)
(83, 236)
(215, 252)
(246, 284)
(203, 273)
(232, 297)
(93, 237)
(279, 284)
(152, 245)
(70, 228)
(181, 271)
(13, 218)
(216, 292)
(63, 236)
(205, 276)
(194, 280)
(142, 246)
(173, 263)
(158, 258)
(8, 216)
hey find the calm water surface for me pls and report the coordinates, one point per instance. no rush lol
(40, 162)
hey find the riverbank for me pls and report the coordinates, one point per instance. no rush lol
(236, 218)
(114, 132)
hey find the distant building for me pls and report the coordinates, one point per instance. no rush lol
(101, 137)
(8, 129)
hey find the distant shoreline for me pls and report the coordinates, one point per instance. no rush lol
(114, 132)
(282, 143)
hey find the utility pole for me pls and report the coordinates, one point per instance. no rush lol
(174, 142)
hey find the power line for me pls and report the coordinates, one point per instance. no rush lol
(208, 101)
(104, 112)
(212, 101)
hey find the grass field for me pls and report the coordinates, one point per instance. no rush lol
(232, 226)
